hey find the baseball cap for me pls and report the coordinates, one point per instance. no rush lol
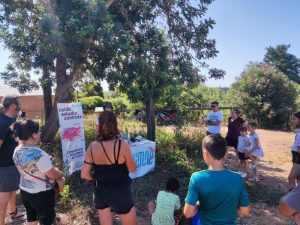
(9, 100)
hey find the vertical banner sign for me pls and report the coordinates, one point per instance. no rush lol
(72, 136)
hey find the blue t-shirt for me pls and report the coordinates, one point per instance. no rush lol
(220, 193)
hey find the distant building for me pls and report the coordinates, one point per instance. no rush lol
(32, 106)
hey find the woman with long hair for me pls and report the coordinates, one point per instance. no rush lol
(111, 160)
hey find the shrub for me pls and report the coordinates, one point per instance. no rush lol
(89, 103)
(266, 96)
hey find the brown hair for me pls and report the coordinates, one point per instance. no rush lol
(216, 145)
(108, 129)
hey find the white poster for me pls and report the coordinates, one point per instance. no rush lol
(144, 156)
(70, 117)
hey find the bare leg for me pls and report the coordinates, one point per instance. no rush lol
(292, 176)
(32, 223)
(4, 199)
(105, 216)
(11, 206)
(129, 218)
(151, 207)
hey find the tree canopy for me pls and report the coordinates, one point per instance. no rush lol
(283, 61)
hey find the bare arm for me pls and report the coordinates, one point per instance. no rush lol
(87, 166)
(130, 163)
(189, 210)
(243, 211)
(54, 173)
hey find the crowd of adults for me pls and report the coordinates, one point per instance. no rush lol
(215, 195)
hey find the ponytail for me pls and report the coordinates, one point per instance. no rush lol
(25, 129)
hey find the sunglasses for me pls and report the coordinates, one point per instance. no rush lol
(213, 106)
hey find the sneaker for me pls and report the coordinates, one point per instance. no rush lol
(16, 216)
(244, 175)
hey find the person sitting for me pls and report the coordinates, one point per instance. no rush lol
(216, 194)
(167, 204)
(289, 205)
(111, 160)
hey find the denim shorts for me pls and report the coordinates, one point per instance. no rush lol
(9, 179)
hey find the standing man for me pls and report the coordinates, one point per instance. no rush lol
(214, 119)
(9, 175)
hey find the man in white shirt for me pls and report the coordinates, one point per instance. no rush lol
(214, 119)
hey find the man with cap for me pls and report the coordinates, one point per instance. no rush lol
(9, 175)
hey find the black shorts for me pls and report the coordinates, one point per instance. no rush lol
(242, 156)
(296, 157)
(232, 142)
(40, 206)
(118, 198)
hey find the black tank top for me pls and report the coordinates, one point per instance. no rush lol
(114, 174)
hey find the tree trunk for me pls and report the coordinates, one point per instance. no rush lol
(47, 92)
(150, 118)
(63, 94)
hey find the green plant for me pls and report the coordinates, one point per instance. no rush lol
(89, 103)
(65, 195)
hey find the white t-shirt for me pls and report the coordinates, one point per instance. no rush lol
(212, 116)
(243, 142)
(34, 161)
(259, 151)
(297, 141)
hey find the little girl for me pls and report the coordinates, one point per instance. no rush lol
(167, 203)
(294, 175)
(243, 143)
(37, 174)
(255, 150)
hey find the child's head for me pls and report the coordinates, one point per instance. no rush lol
(214, 147)
(27, 129)
(243, 131)
(296, 119)
(172, 184)
(252, 126)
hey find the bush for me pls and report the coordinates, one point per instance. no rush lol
(266, 96)
(90, 103)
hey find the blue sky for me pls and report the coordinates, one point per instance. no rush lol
(244, 28)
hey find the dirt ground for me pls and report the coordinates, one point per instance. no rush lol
(274, 172)
(274, 169)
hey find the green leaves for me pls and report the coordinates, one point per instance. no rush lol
(265, 95)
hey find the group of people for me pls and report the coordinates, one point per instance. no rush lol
(215, 195)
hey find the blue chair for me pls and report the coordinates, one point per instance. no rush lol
(195, 220)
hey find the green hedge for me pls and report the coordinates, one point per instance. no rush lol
(89, 103)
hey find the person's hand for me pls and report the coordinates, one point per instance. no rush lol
(247, 154)
(297, 218)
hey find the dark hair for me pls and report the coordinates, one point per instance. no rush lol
(253, 124)
(297, 114)
(25, 129)
(216, 145)
(215, 102)
(108, 128)
(107, 105)
(172, 184)
(243, 129)
(237, 111)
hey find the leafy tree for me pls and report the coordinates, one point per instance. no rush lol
(265, 95)
(61, 40)
(283, 61)
(159, 56)
(121, 39)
